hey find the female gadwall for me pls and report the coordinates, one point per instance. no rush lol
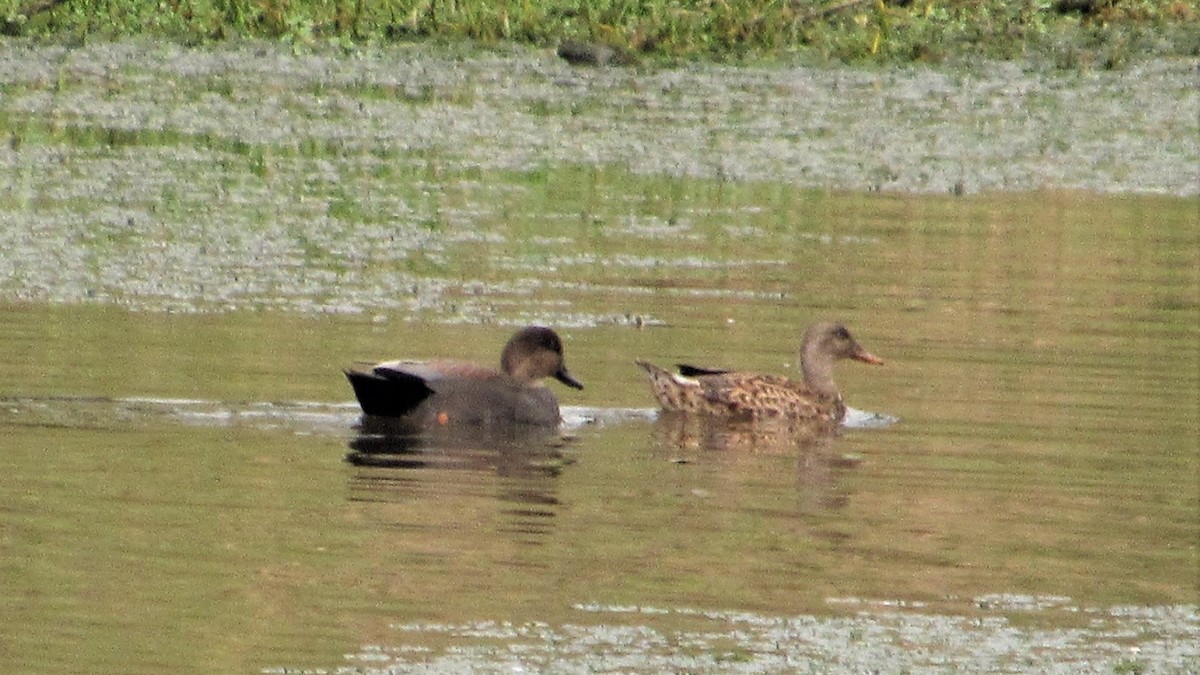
(723, 393)
(438, 393)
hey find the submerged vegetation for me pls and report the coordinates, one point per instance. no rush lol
(1072, 33)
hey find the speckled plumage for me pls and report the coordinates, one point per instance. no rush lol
(736, 394)
(751, 395)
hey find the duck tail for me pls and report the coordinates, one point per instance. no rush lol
(651, 368)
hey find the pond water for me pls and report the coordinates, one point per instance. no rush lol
(184, 486)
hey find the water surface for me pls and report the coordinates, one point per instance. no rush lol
(183, 485)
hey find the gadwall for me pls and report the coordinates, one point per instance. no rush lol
(440, 393)
(723, 393)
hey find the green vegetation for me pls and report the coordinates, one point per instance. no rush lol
(1071, 33)
(1129, 667)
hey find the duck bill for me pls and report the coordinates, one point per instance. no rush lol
(563, 376)
(865, 356)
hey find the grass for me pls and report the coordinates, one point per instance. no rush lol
(1071, 33)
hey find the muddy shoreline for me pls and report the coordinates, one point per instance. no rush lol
(998, 126)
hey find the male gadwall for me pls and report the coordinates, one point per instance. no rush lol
(440, 393)
(724, 393)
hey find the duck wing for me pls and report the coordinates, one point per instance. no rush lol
(387, 393)
(397, 388)
(696, 371)
(755, 395)
(433, 371)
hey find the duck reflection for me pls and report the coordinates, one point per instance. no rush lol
(517, 465)
(688, 437)
(769, 436)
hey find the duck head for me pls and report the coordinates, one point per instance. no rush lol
(534, 353)
(823, 344)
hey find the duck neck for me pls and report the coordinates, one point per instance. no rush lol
(817, 367)
(515, 368)
(523, 370)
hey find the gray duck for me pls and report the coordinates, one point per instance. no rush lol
(445, 392)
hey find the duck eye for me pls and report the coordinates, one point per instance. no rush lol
(842, 333)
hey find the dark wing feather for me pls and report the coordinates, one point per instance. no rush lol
(388, 393)
(696, 371)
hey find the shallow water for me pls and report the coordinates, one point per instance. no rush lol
(183, 485)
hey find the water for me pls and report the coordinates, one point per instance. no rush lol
(183, 485)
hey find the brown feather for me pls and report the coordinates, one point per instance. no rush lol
(751, 395)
